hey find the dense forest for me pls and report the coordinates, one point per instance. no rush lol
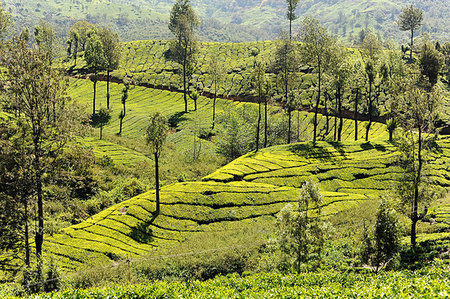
(288, 165)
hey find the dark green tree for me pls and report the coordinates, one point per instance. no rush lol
(157, 131)
(101, 119)
(410, 19)
(291, 16)
(381, 246)
(430, 63)
(182, 23)
(316, 51)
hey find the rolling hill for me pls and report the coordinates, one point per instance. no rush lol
(245, 196)
(231, 21)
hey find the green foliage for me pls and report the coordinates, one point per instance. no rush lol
(381, 246)
(431, 282)
(156, 132)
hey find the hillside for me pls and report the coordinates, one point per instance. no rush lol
(231, 21)
(242, 198)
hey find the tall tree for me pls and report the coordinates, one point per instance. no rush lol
(316, 51)
(291, 104)
(156, 135)
(182, 23)
(358, 78)
(73, 45)
(260, 89)
(126, 87)
(84, 30)
(417, 113)
(430, 63)
(284, 65)
(47, 39)
(302, 236)
(340, 71)
(291, 16)
(111, 50)
(45, 115)
(410, 19)
(217, 74)
(383, 244)
(371, 73)
(96, 61)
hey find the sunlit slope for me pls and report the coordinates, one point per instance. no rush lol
(247, 193)
(143, 101)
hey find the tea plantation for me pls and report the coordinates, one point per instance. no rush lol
(248, 192)
(429, 283)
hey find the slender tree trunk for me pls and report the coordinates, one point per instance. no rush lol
(214, 109)
(411, 47)
(341, 120)
(121, 118)
(335, 118)
(370, 112)
(317, 108)
(298, 125)
(356, 114)
(39, 237)
(290, 29)
(93, 101)
(157, 184)
(289, 126)
(265, 122)
(414, 216)
(327, 120)
(184, 87)
(27, 242)
(107, 89)
(101, 132)
(258, 125)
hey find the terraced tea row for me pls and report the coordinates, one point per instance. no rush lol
(248, 192)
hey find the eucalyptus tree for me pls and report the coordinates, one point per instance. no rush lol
(47, 39)
(418, 110)
(410, 19)
(183, 49)
(316, 50)
(340, 71)
(156, 135)
(302, 236)
(96, 61)
(217, 73)
(111, 51)
(291, 15)
(260, 89)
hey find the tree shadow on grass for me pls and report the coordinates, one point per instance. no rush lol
(338, 147)
(368, 145)
(176, 118)
(142, 233)
(308, 150)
